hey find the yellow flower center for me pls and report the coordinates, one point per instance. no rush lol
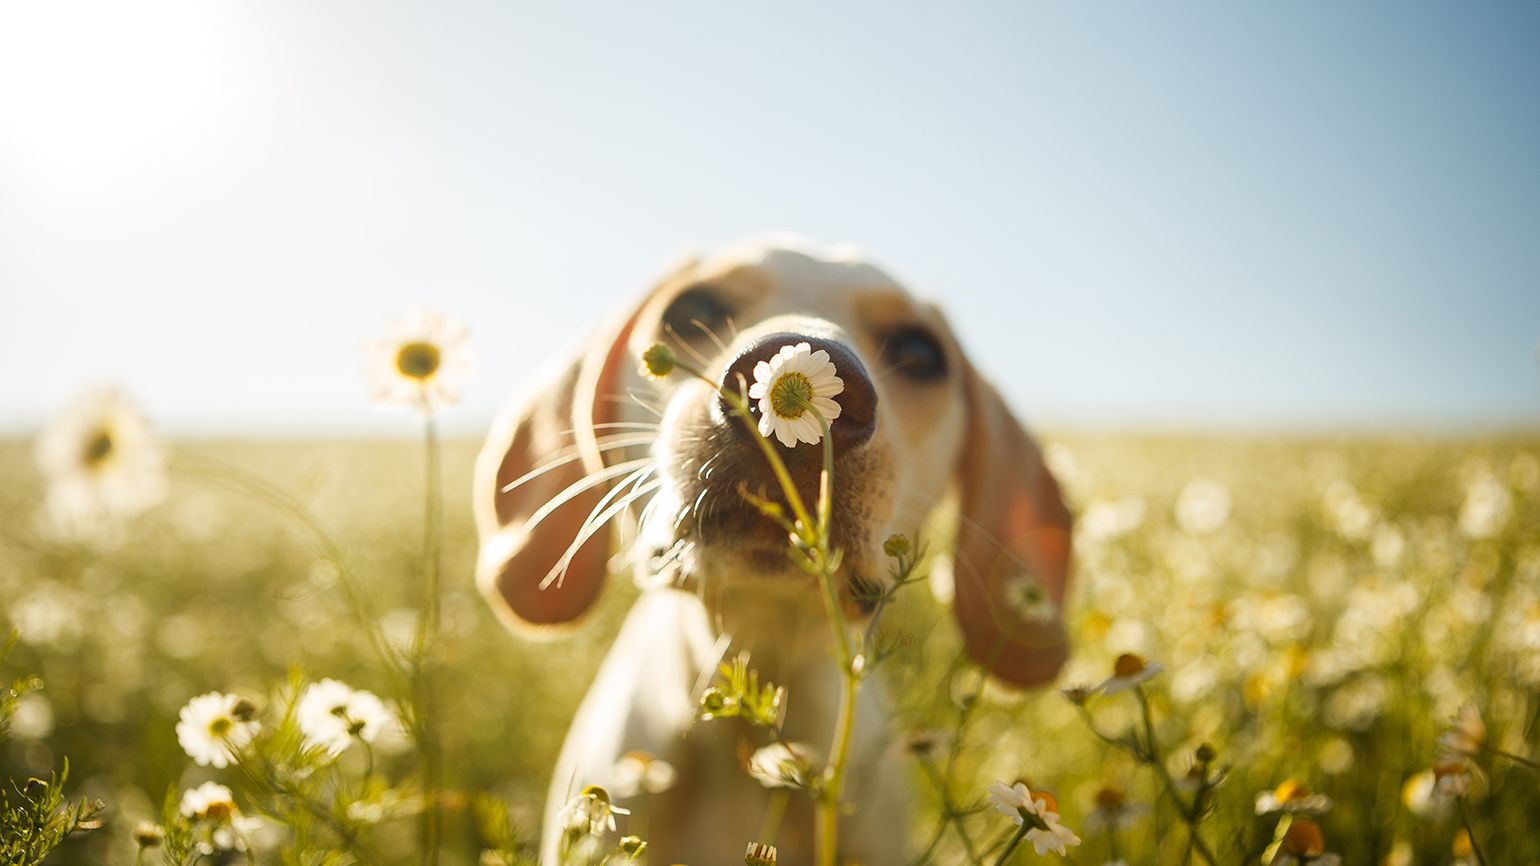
(220, 810)
(221, 726)
(791, 395)
(1050, 804)
(418, 360)
(98, 449)
(1127, 665)
(1290, 790)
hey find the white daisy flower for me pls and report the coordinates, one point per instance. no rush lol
(100, 461)
(1129, 670)
(782, 765)
(209, 801)
(214, 726)
(1467, 734)
(1293, 798)
(332, 714)
(591, 812)
(1037, 810)
(421, 363)
(213, 805)
(790, 383)
(636, 772)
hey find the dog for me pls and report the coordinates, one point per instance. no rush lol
(918, 422)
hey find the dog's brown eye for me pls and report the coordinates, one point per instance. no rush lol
(914, 353)
(697, 308)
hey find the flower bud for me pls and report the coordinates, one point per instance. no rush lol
(658, 361)
(759, 854)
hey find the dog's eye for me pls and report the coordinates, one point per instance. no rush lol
(697, 308)
(914, 353)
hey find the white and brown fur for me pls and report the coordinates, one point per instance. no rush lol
(716, 573)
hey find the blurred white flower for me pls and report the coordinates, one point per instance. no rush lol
(422, 362)
(212, 727)
(787, 385)
(213, 804)
(591, 812)
(1129, 670)
(101, 463)
(636, 772)
(209, 801)
(782, 765)
(332, 714)
(1351, 516)
(1203, 506)
(1036, 809)
(1113, 811)
(1486, 506)
(1467, 734)
(1025, 596)
(33, 718)
(1293, 798)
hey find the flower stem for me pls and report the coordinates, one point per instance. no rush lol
(1475, 847)
(424, 648)
(1010, 847)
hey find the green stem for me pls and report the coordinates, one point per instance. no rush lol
(423, 666)
(1189, 816)
(1475, 847)
(1010, 847)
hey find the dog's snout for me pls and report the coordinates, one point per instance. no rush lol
(857, 401)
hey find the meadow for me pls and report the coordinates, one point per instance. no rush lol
(1323, 610)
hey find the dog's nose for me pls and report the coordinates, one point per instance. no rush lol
(858, 401)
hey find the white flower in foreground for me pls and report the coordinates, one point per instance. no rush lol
(422, 363)
(790, 383)
(782, 765)
(1129, 670)
(214, 726)
(332, 714)
(591, 812)
(1037, 810)
(100, 461)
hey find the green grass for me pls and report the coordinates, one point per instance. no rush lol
(1296, 644)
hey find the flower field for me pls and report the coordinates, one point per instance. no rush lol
(1291, 651)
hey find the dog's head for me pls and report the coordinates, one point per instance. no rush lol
(599, 441)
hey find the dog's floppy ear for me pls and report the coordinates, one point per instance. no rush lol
(1013, 546)
(554, 421)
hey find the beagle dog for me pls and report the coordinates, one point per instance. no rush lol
(918, 422)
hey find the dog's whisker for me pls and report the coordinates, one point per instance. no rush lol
(631, 397)
(617, 425)
(562, 458)
(710, 334)
(685, 346)
(587, 482)
(594, 525)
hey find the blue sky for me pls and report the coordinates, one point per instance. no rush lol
(1307, 216)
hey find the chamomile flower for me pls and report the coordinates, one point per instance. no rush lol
(209, 801)
(1467, 734)
(332, 715)
(1293, 798)
(591, 812)
(790, 384)
(421, 363)
(782, 765)
(1303, 843)
(101, 463)
(1113, 810)
(1129, 670)
(212, 727)
(636, 772)
(1037, 810)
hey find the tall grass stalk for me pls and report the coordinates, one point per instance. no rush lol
(424, 647)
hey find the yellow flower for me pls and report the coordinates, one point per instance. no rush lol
(1130, 670)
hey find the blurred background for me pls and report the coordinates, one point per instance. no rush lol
(1186, 216)
(1264, 279)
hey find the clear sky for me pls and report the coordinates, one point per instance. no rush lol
(1251, 215)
